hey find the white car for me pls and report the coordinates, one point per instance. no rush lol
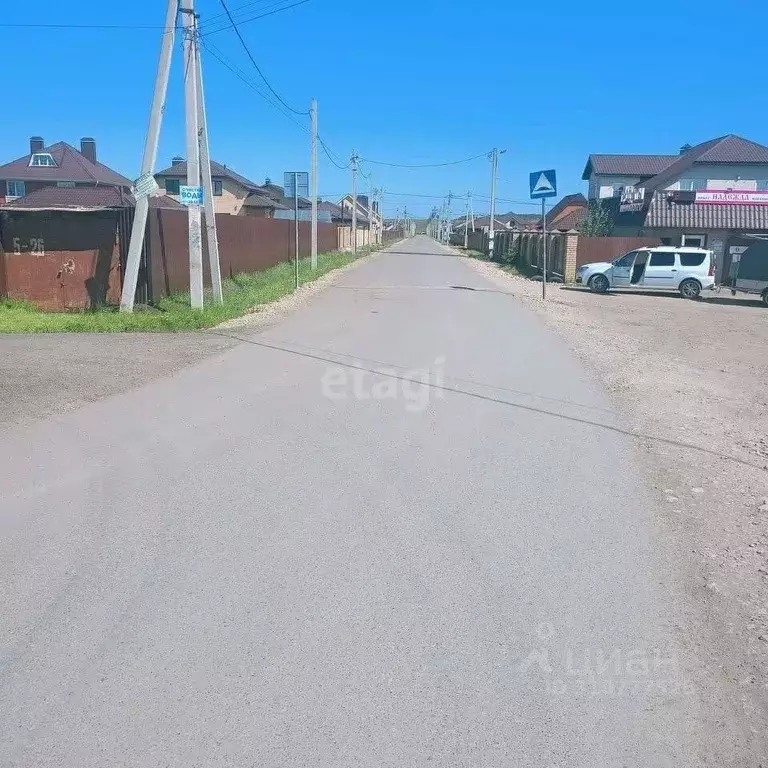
(687, 270)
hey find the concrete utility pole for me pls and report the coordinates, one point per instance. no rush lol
(205, 168)
(149, 159)
(448, 219)
(193, 155)
(313, 121)
(466, 223)
(354, 201)
(494, 165)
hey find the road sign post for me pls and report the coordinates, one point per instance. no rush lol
(295, 185)
(543, 184)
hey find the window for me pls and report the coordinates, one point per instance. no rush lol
(627, 260)
(42, 159)
(662, 259)
(762, 184)
(15, 188)
(217, 187)
(691, 259)
(694, 241)
(172, 186)
(68, 184)
(691, 185)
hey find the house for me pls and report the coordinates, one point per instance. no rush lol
(368, 214)
(609, 174)
(566, 214)
(711, 195)
(58, 165)
(232, 193)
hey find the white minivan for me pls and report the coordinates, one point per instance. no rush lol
(688, 270)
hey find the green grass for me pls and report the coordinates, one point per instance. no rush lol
(241, 294)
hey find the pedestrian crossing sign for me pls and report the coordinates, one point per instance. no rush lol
(543, 184)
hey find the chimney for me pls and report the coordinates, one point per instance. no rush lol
(88, 148)
(176, 160)
(685, 148)
(36, 144)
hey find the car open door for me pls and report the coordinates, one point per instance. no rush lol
(661, 270)
(622, 269)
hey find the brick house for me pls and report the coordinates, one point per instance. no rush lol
(57, 165)
(711, 195)
(232, 193)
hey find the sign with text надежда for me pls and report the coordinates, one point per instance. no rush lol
(730, 197)
(190, 195)
(543, 184)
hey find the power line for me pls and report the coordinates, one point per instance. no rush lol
(236, 10)
(216, 20)
(256, 66)
(232, 68)
(329, 153)
(425, 165)
(219, 56)
(255, 18)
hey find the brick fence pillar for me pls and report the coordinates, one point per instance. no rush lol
(571, 247)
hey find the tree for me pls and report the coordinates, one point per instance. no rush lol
(598, 221)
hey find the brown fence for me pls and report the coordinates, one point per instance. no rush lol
(592, 249)
(246, 244)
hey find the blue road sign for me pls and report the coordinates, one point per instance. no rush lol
(296, 183)
(190, 195)
(543, 184)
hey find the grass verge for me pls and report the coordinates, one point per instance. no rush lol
(241, 294)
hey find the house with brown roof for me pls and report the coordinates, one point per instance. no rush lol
(232, 193)
(56, 165)
(710, 195)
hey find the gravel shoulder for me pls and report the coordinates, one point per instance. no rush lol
(690, 379)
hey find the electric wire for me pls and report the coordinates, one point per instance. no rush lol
(256, 66)
(423, 165)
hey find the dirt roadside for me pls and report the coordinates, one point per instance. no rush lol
(691, 378)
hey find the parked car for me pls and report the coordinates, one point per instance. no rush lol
(687, 270)
(750, 269)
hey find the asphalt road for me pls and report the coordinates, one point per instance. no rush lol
(277, 557)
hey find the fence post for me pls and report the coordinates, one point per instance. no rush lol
(571, 249)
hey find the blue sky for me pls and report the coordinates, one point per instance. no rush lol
(408, 82)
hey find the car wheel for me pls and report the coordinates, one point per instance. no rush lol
(598, 284)
(764, 297)
(690, 288)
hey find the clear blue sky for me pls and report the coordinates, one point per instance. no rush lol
(416, 82)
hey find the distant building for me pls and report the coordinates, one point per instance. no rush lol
(56, 165)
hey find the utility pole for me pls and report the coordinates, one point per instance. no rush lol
(494, 165)
(405, 222)
(313, 120)
(466, 224)
(193, 155)
(354, 201)
(205, 163)
(149, 159)
(448, 222)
